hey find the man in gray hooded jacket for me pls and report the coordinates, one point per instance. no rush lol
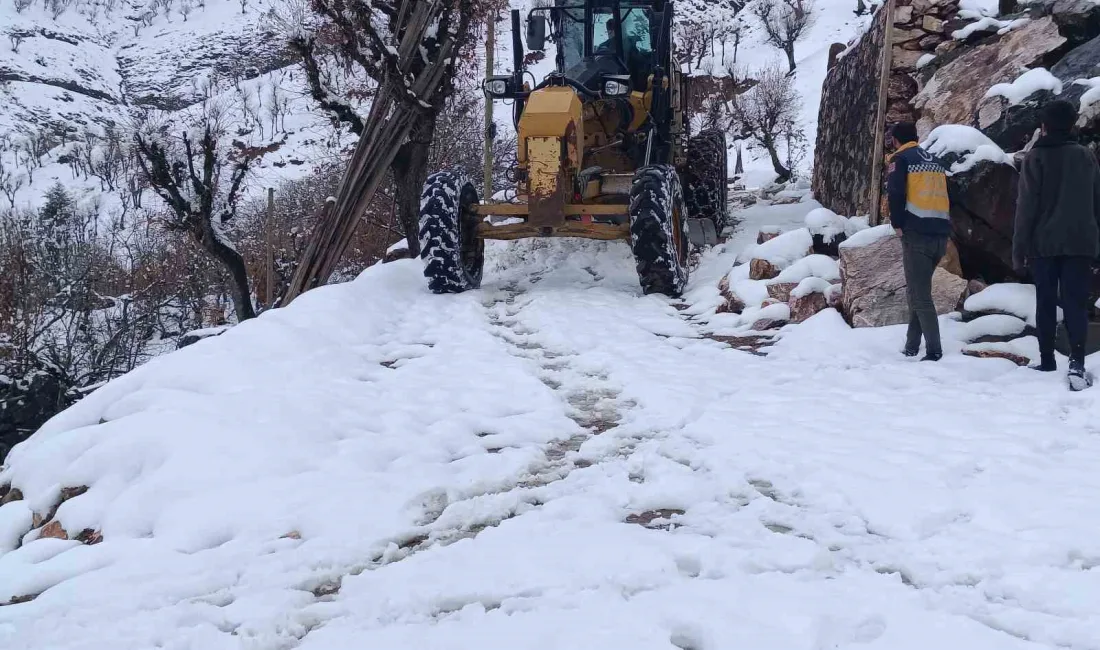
(1057, 234)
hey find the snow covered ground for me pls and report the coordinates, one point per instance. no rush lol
(556, 461)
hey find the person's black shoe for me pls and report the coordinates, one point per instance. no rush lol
(932, 356)
(911, 352)
(1048, 365)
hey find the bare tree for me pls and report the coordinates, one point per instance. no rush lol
(185, 9)
(202, 184)
(785, 22)
(21, 5)
(16, 41)
(360, 40)
(768, 114)
(9, 182)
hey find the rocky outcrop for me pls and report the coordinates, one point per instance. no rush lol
(955, 91)
(874, 285)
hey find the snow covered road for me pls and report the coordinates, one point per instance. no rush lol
(557, 462)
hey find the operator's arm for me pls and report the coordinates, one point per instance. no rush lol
(1027, 210)
(897, 186)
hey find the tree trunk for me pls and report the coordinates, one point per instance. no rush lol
(233, 264)
(790, 56)
(410, 172)
(784, 174)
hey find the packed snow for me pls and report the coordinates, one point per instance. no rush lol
(556, 461)
(973, 145)
(1026, 85)
(925, 59)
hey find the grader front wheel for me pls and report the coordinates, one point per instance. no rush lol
(453, 255)
(658, 230)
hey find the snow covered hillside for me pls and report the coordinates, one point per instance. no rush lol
(555, 461)
(77, 74)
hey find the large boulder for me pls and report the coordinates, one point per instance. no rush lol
(955, 91)
(874, 281)
(983, 213)
(1012, 126)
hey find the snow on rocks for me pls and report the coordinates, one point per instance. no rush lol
(808, 298)
(969, 145)
(781, 251)
(1005, 298)
(811, 266)
(988, 24)
(1027, 84)
(1020, 351)
(869, 236)
(15, 521)
(995, 328)
(769, 317)
(768, 233)
(829, 230)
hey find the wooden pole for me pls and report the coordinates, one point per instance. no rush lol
(490, 54)
(877, 162)
(269, 258)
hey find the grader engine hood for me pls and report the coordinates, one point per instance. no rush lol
(551, 140)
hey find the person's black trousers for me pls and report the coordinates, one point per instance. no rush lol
(1062, 281)
(920, 254)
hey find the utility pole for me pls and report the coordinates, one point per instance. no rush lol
(490, 51)
(269, 258)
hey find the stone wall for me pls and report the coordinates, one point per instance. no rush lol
(846, 124)
(845, 145)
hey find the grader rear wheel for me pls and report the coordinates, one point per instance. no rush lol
(705, 189)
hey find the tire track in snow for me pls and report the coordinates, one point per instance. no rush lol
(591, 401)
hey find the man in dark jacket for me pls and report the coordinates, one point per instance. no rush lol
(1057, 234)
(920, 213)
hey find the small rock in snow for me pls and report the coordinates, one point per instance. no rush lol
(762, 270)
(781, 291)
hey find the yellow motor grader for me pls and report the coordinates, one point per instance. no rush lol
(602, 151)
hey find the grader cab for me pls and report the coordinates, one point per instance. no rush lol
(602, 152)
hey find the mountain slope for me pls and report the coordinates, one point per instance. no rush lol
(68, 81)
(377, 466)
